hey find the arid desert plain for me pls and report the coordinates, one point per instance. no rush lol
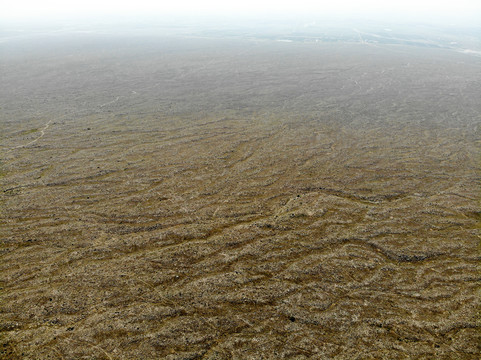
(191, 196)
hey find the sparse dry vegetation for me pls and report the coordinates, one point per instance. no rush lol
(197, 198)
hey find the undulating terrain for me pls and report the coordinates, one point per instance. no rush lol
(193, 198)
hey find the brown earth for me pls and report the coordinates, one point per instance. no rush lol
(189, 198)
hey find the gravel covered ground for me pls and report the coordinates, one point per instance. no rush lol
(191, 198)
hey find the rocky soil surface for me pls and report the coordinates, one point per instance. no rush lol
(199, 199)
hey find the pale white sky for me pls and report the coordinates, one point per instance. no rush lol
(447, 10)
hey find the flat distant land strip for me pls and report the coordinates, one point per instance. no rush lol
(181, 198)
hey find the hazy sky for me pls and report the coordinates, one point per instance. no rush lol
(447, 11)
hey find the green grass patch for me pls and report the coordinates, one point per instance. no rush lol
(26, 132)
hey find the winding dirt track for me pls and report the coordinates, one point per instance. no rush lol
(42, 134)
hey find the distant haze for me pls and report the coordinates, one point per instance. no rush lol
(459, 12)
